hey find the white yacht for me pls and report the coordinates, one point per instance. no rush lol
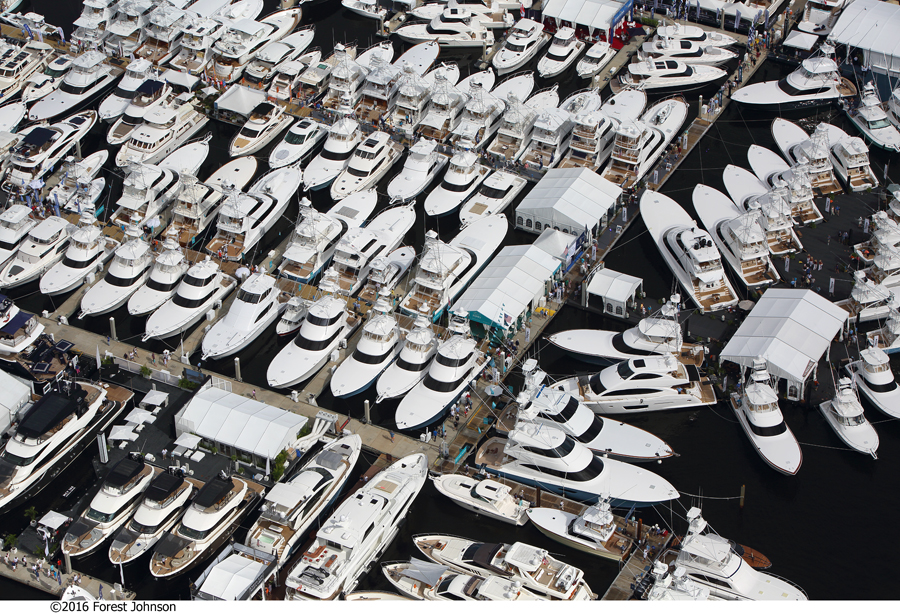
(553, 130)
(524, 41)
(44, 246)
(483, 496)
(464, 175)
(811, 150)
(873, 377)
(161, 506)
(90, 75)
(543, 455)
(212, 518)
(414, 94)
(201, 288)
(593, 531)
(91, 25)
(794, 183)
(136, 74)
(346, 83)
(669, 76)
(689, 251)
(77, 189)
(18, 331)
(675, 586)
(128, 271)
(165, 128)
(245, 218)
(129, 28)
(343, 137)
(87, 253)
(245, 38)
(455, 27)
(312, 82)
(626, 387)
(370, 162)
(422, 165)
(327, 323)
(260, 71)
(594, 132)
(168, 269)
(15, 224)
(493, 196)
(444, 110)
(381, 89)
(290, 508)
(872, 120)
(40, 84)
(163, 40)
(197, 39)
(419, 346)
(368, 521)
(850, 159)
(386, 272)
(595, 60)
(20, 63)
(564, 50)
(376, 349)
(298, 142)
(480, 118)
(679, 31)
(366, 8)
(772, 207)
(420, 580)
(119, 496)
(286, 77)
(265, 122)
(259, 303)
(820, 16)
(148, 96)
(690, 52)
(844, 414)
(757, 410)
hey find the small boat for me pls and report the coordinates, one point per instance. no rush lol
(366, 8)
(595, 60)
(485, 497)
(463, 177)
(411, 366)
(136, 74)
(343, 137)
(419, 170)
(850, 159)
(872, 120)
(422, 580)
(873, 377)
(90, 74)
(87, 253)
(15, 224)
(524, 41)
(266, 121)
(810, 150)
(669, 76)
(298, 142)
(44, 246)
(261, 69)
(494, 195)
(40, 84)
(376, 349)
(370, 162)
(386, 272)
(128, 271)
(293, 316)
(679, 31)
(245, 38)
(690, 52)
(456, 27)
(593, 531)
(564, 50)
(149, 95)
(844, 414)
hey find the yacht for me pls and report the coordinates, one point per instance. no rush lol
(40, 84)
(20, 63)
(161, 506)
(738, 236)
(293, 316)
(595, 60)
(163, 39)
(376, 349)
(639, 144)
(464, 175)
(483, 496)
(15, 224)
(287, 75)
(50, 435)
(347, 80)
(494, 195)
(592, 531)
(419, 346)
(197, 39)
(844, 414)
(77, 189)
(212, 518)
(679, 31)
(873, 377)
(120, 494)
(456, 27)
(168, 269)
(675, 586)
(245, 38)
(266, 121)
(872, 120)
(793, 183)
(381, 90)
(820, 16)
(91, 25)
(260, 71)
(757, 410)
(312, 82)
(625, 387)
(343, 137)
(422, 580)
(564, 50)
(414, 94)
(422, 165)
(669, 76)
(690, 52)
(481, 117)
(299, 141)
(811, 150)
(689, 251)
(544, 456)
(368, 522)
(524, 41)
(817, 81)
(148, 96)
(444, 110)
(366, 8)
(202, 287)
(259, 303)
(19, 330)
(850, 159)
(386, 272)
(129, 28)
(114, 105)
(594, 132)
(87, 253)
(515, 131)
(165, 128)
(45, 245)
(370, 162)
(327, 323)
(553, 130)
(128, 271)
(90, 74)
(290, 509)
(771, 206)
(316, 235)
(245, 218)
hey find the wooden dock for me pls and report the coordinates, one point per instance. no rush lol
(23, 574)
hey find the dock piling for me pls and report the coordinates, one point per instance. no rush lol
(237, 369)
(366, 407)
(112, 328)
(743, 492)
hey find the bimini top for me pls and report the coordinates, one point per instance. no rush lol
(126, 470)
(150, 87)
(49, 412)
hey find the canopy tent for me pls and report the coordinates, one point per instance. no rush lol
(241, 100)
(54, 520)
(14, 395)
(508, 286)
(791, 329)
(801, 40)
(123, 433)
(245, 424)
(139, 416)
(231, 578)
(872, 26)
(153, 399)
(615, 290)
(593, 14)
(567, 199)
(555, 242)
(188, 440)
(180, 80)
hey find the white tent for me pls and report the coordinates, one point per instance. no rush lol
(567, 199)
(230, 578)
(592, 14)
(513, 281)
(801, 40)
(241, 100)
(555, 242)
(791, 329)
(872, 26)
(14, 395)
(615, 290)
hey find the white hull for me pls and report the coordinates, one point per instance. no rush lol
(781, 452)
(861, 437)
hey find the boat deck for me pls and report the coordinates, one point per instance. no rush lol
(758, 272)
(712, 299)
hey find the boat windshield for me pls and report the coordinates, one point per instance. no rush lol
(879, 123)
(295, 139)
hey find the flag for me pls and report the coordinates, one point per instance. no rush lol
(56, 198)
(886, 164)
(737, 20)
(62, 35)
(521, 10)
(507, 319)
(56, 209)
(698, 10)
(40, 36)
(27, 31)
(767, 20)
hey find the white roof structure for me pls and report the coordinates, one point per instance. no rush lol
(155, 398)
(230, 578)
(230, 419)
(13, 396)
(801, 40)
(593, 14)
(790, 328)
(555, 242)
(241, 100)
(570, 199)
(872, 26)
(614, 286)
(512, 281)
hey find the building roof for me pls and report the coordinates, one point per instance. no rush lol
(591, 13)
(555, 242)
(571, 197)
(615, 286)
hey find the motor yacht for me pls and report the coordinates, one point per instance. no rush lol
(40, 84)
(343, 137)
(772, 208)
(165, 128)
(592, 531)
(128, 29)
(245, 38)
(386, 272)
(422, 580)
(87, 253)
(346, 84)
(422, 165)
(811, 150)
(376, 349)
(286, 77)
(850, 159)
(680, 31)
(480, 118)
(212, 518)
(669, 76)
(595, 60)
(873, 377)
(381, 90)
(551, 136)
(259, 303)
(18, 332)
(524, 41)
(844, 414)
(414, 94)
(464, 175)
(266, 121)
(514, 133)
(77, 189)
(820, 16)
(91, 25)
(494, 195)
(197, 39)
(594, 132)
(327, 323)
(163, 41)
(370, 162)
(564, 49)
(444, 110)
(872, 120)
(161, 506)
(689, 251)
(368, 522)
(119, 496)
(260, 71)
(483, 496)
(419, 345)
(114, 105)
(15, 224)
(299, 141)
(290, 508)
(148, 96)
(128, 271)
(690, 52)
(456, 27)
(312, 82)
(429, 10)
(11, 116)
(168, 269)
(20, 63)
(90, 74)
(45, 245)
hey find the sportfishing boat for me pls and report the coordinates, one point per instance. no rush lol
(480, 119)
(524, 41)
(298, 142)
(757, 410)
(201, 288)
(90, 74)
(850, 159)
(346, 83)
(810, 150)
(675, 586)
(259, 303)
(535, 568)
(669, 76)
(245, 38)
(483, 496)
(690, 52)
(422, 165)
(444, 110)
(168, 270)
(514, 133)
(422, 580)
(679, 31)
(456, 27)
(872, 120)
(594, 132)
(772, 208)
(260, 71)
(419, 346)
(286, 77)
(161, 506)
(149, 95)
(494, 195)
(793, 184)
(689, 251)
(312, 83)
(597, 57)
(197, 39)
(128, 29)
(552, 133)
(464, 175)
(844, 414)
(290, 508)
(376, 349)
(87, 253)
(414, 94)
(119, 496)
(873, 377)
(212, 518)
(78, 190)
(15, 223)
(625, 387)
(245, 218)
(127, 272)
(90, 27)
(266, 121)
(368, 522)
(816, 81)
(40, 84)
(164, 33)
(593, 531)
(386, 272)
(370, 162)
(564, 50)
(19, 63)
(381, 90)
(343, 137)
(327, 323)
(639, 144)
(44, 246)
(166, 127)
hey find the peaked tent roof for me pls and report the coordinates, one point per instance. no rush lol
(870, 25)
(554, 242)
(616, 286)
(572, 197)
(241, 100)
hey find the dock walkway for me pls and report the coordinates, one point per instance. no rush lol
(22, 574)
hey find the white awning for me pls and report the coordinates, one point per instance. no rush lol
(155, 398)
(123, 433)
(188, 440)
(615, 286)
(241, 100)
(801, 40)
(53, 520)
(594, 14)
(139, 416)
(181, 79)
